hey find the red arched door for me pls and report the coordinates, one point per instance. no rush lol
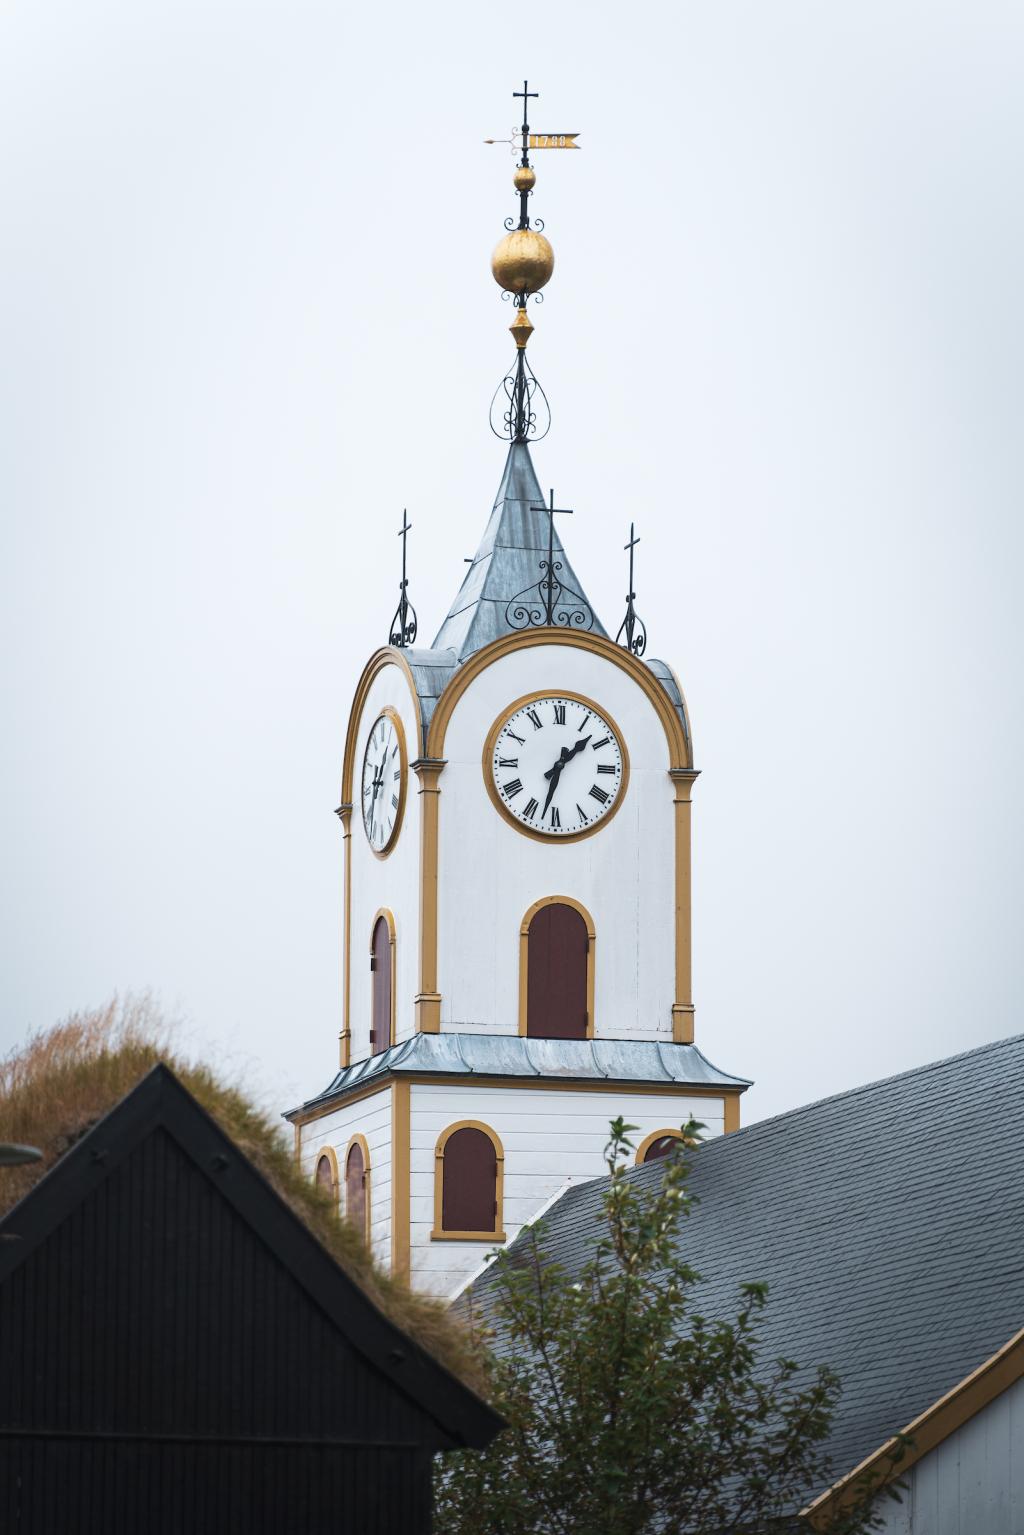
(355, 1187)
(556, 970)
(380, 1024)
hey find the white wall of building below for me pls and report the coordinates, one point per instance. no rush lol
(550, 1138)
(972, 1483)
(370, 1117)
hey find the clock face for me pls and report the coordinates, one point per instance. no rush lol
(557, 765)
(384, 773)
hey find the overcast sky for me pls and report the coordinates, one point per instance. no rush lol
(246, 315)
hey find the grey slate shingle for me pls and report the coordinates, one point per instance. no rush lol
(888, 1223)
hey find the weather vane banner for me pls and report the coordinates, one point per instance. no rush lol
(553, 141)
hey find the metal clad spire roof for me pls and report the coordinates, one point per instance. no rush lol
(507, 564)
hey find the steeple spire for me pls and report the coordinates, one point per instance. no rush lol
(505, 582)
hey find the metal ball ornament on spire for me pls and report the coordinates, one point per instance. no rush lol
(522, 264)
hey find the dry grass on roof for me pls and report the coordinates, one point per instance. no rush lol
(62, 1080)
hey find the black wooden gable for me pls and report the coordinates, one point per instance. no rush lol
(178, 1351)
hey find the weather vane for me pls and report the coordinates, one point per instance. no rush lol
(403, 625)
(545, 603)
(633, 626)
(522, 265)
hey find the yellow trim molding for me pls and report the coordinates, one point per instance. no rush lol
(344, 813)
(439, 1234)
(382, 911)
(730, 1095)
(389, 713)
(400, 1149)
(330, 1156)
(680, 755)
(524, 955)
(496, 799)
(732, 1113)
(894, 1458)
(683, 780)
(360, 1140)
(428, 999)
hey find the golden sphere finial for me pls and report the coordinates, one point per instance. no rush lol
(525, 178)
(523, 261)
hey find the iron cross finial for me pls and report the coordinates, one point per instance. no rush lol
(404, 624)
(549, 585)
(633, 626)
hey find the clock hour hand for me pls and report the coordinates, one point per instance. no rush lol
(554, 773)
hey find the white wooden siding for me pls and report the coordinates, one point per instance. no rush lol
(370, 1117)
(550, 1138)
(972, 1483)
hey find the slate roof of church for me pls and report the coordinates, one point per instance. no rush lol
(888, 1223)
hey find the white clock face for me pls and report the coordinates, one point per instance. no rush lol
(557, 765)
(383, 783)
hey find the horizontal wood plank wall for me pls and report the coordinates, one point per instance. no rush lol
(370, 1117)
(548, 1136)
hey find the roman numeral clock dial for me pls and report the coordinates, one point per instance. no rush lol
(555, 766)
(383, 784)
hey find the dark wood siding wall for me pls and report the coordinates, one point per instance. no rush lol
(380, 1025)
(469, 1190)
(556, 989)
(161, 1371)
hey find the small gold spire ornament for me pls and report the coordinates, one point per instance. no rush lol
(525, 178)
(521, 329)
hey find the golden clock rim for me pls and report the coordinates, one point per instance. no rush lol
(391, 713)
(549, 839)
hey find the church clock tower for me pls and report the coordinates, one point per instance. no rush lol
(516, 816)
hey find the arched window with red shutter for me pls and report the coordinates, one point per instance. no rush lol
(657, 1145)
(357, 1185)
(326, 1172)
(468, 1183)
(556, 970)
(382, 974)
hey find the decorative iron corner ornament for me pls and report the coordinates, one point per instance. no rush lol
(404, 625)
(632, 626)
(519, 409)
(545, 605)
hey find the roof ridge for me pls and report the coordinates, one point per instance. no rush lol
(867, 1087)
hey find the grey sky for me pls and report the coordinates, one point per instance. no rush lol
(247, 316)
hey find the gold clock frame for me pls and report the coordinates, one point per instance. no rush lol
(388, 712)
(499, 803)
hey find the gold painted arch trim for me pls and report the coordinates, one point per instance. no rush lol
(656, 1135)
(389, 655)
(680, 751)
(439, 1234)
(327, 1154)
(358, 1139)
(524, 956)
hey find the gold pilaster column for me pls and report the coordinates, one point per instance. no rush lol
(683, 780)
(344, 814)
(400, 1160)
(428, 1000)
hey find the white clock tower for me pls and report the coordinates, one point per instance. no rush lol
(517, 961)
